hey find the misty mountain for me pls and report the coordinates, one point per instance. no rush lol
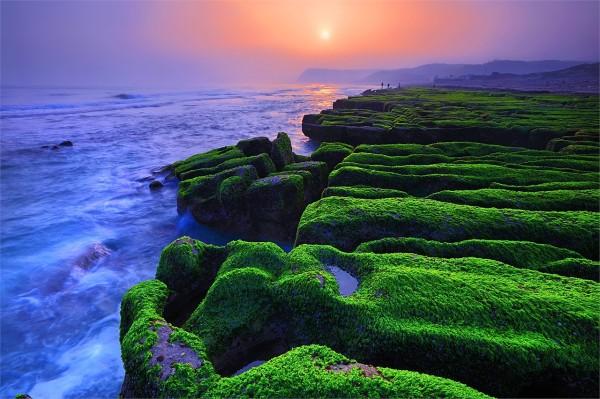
(582, 78)
(426, 73)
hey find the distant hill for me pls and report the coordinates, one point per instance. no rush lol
(317, 75)
(428, 72)
(583, 78)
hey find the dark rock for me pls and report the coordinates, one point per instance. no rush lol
(318, 181)
(166, 354)
(255, 146)
(276, 203)
(281, 152)
(155, 185)
(368, 370)
(301, 158)
(66, 143)
(95, 252)
(55, 147)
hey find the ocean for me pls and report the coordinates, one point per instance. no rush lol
(79, 225)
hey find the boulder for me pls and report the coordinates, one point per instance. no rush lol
(331, 153)
(276, 203)
(255, 146)
(155, 185)
(318, 171)
(281, 152)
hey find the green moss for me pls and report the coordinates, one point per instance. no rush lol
(398, 149)
(462, 149)
(362, 192)
(430, 109)
(262, 162)
(331, 153)
(580, 149)
(566, 185)
(574, 267)
(423, 180)
(557, 200)
(521, 254)
(275, 204)
(560, 143)
(281, 152)
(186, 264)
(208, 159)
(506, 331)
(312, 371)
(204, 187)
(346, 222)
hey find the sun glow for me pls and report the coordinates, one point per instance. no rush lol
(325, 34)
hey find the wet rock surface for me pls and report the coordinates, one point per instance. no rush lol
(166, 354)
(368, 371)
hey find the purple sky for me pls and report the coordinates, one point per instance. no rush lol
(205, 43)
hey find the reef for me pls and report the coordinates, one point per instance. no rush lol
(461, 268)
(420, 115)
(504, 330)
(257, 186)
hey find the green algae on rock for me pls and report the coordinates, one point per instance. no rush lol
(425, 115)
(556, 200)
(481, 322)
(250, 187)
(347, 222)
(521, 254)
(331, 153)
(490, 281)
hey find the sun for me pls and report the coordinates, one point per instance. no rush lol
(325, 34)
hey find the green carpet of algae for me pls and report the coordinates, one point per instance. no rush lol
(476, 264)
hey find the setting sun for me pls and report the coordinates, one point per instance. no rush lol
(325, 34)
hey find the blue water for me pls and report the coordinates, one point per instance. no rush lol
(79, 226)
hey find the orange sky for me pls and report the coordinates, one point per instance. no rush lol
(253, 41)
(359, 30)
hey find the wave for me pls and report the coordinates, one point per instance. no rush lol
(125, 101)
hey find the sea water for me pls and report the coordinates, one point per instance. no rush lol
(79, 225)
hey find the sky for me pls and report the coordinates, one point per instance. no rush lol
(190, 43)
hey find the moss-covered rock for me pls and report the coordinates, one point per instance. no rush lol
(217, 186)
(503, 330)
(255, 146)
(316, 371)
(347, 222)
(574, 267)
(275, 203)
(580, 149)
(195, 192)
(262, 163)
(566, 185)
(207, 159)
(556, 200)
(281, 151)
(363, 192)
(318, 181)
(521, 254)
(331, 153)
(425, 115)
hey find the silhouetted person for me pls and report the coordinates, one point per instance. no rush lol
(382, 85)
(388, 85)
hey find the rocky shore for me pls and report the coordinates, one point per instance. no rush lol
(467, 225)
